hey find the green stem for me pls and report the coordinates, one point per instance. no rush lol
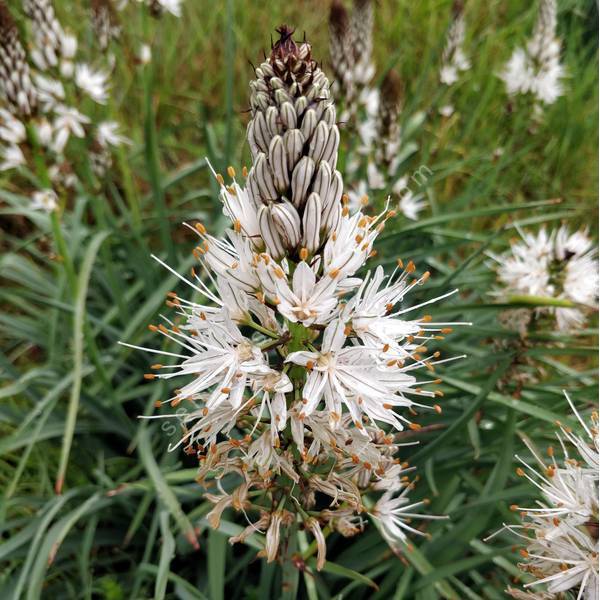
(541, 301)
(63, 251)
(261, 329)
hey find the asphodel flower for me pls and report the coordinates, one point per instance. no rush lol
(296, 368)
(42, 89)
(559, 265)
(559, 534)
(537, 69)
(454, 59)
(15, 79)
(105, 22)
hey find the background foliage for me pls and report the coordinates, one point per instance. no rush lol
(130, 520)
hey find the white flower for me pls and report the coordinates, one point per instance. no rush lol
(447, 110)
(559, 265)
(12, 131)
(50, 91)
(537, 68)
(108, 134)
(12, 157)
(358, 196)
(393, 514)
(308, 301)
(68, 45)
(172, 6)
(68, 121)
(274, 386)
(93, 82)
(410, 204)
(45, 200)
(561, 532)
(454, 60)
(353, 377)
(145, 54)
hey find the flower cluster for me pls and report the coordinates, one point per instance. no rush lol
(41, 90)
(157, 8)
(298, 370)
(351, 47)
(559, 265)
(374, 163)
(560, 535)
(105, 22)
(454, 59)
(536, 69)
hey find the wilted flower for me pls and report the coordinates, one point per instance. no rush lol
(559, 265)
(295, 368)
(537, 68)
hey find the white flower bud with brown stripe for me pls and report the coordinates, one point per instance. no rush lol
(294, 140)
(104, 22)
(15, 79)
(47, 32)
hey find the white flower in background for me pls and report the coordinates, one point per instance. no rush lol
(454, 60)
(44, 200)
(93, 82)
(16, 87)
(51, 55)
(68, 121)
(537, 68)
(286, 337)
(170, 6)
(108, 134)
(560, 265)
(447, 110)
(11, 158)
(44, 131)
(409, 203)
(145, 54)
(69, 49)
(12, 130)
(51, 92)
(560, 534)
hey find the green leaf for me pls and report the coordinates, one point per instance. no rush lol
(163, 489)
(78, 333)
(167, 551)
(341, 571)
(217, 547)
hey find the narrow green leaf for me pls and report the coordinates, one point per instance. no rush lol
(167, 551)
(78, 333)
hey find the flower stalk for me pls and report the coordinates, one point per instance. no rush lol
(297, 371)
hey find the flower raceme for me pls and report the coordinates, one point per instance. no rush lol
(560, 534)
(41, 89)
(298, 370)
(536, 69)
(559, 264)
